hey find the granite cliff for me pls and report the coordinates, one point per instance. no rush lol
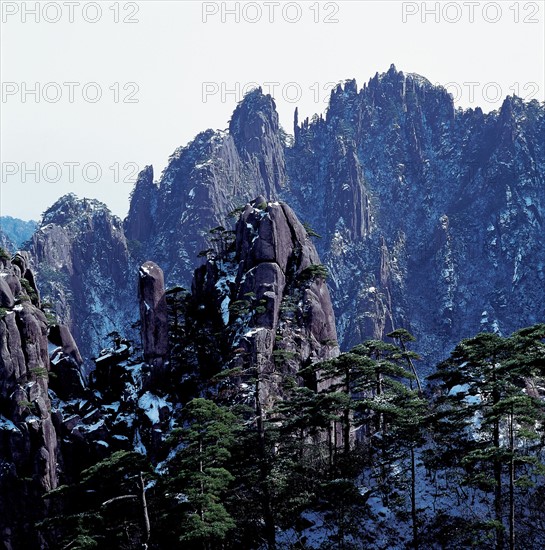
(430, 216)
(262, 290)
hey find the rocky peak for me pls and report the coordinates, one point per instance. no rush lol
(69, 209)
(139, 222)
(82, 260)
(255, 129)
(203, 182)
(270, 294)
(153, 314)
(253, 117)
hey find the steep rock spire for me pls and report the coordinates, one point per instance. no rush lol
(270, 293)
(153, 314)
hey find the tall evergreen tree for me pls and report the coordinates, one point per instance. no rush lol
(108, 507)
(488, 412)
(198, 478)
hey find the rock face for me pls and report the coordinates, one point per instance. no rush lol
(454, 204)
(153, 314)
(268, 292)
(82, 260)
(14, 232)
(61, 336)
(431, 218)
(203, 182)
(28, 448)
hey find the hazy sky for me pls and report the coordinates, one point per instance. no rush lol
(119, 85)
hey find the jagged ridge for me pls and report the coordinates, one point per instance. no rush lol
(430, 216)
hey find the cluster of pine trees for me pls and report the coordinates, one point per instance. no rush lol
(360, 455)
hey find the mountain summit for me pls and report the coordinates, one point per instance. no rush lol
(430, 216)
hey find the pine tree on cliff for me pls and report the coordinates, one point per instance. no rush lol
(485, 394)
(198, 474)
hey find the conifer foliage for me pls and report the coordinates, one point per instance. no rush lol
(358, 453)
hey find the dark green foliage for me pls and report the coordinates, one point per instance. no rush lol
(206, 253)
(4, 254)
(310, 231)
(314, 271)
(485, 391)
(236, 212)
(222, 240)
(106, 506)
(346, 432)
(50, 317)
(39, 372)
(344, 509)
(282, 356)
(29, 290)
(198, 473)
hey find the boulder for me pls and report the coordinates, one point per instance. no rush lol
(60, 335)
(7, 299)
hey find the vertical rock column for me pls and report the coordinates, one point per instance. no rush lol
(153, 315)
(28, 440)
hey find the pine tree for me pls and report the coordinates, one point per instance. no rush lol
(343, 375)
(487, 412)
(198, 476)
(108, 506)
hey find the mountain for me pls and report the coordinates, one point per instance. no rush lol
(82, 260)
(29, 444)
(259, 304)
(6, 243)
(17, 231)
(232, 419)
(238, 422)
(430, 216)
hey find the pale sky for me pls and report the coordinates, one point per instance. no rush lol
(166, 70)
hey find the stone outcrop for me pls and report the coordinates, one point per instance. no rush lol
(82, 260)
(270, 294)
(28, 440)
(143, 208)
(153, 314)
(61, 336)
(66, 364)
